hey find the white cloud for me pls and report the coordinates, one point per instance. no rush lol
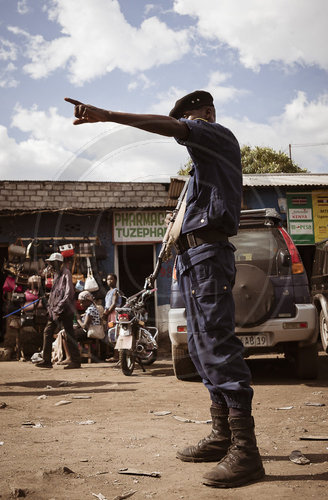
(156, 159)
(96, 39)
(310, 118)
(8, 50)
(304, 124)
(22, 7)
(55, 149)
(51, 127)
(149, 7)
(7, 79)
(52, 143)
(45, 56)
(222, 93)
(166, 100)
(301, 121)
(30, 159)
(133, 85)
(262, 31)
(140, 81)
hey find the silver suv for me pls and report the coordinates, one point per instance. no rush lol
(274, 312)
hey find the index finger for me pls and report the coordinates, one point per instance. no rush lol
(73, 101)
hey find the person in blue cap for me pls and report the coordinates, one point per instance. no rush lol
(206, 273)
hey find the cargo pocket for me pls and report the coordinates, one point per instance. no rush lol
(214, 304)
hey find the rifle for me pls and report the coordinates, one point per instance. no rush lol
(171, 235)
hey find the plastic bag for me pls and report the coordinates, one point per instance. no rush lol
(90, 284)
(96, 332)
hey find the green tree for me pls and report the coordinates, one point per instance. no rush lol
(186, 168)
(259, 160)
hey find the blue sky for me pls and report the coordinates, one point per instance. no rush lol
(264, 61)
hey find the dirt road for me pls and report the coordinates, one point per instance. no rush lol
(75, 451)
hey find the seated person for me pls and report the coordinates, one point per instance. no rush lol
(91, 316)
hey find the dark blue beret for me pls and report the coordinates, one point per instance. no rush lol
(195, 100)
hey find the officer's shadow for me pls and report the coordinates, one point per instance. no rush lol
(314, 459)
(323, 476)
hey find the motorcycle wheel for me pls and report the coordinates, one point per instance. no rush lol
(149, 359)
(127, 361)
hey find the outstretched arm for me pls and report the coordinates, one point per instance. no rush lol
(158, 124)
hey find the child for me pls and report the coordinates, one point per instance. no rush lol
(112, 299)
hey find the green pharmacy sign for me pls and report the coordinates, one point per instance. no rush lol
(139, 227)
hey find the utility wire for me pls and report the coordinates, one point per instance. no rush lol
(309, 144)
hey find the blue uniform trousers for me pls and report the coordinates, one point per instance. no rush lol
(215, 350)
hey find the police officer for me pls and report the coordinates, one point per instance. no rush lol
(206, 271)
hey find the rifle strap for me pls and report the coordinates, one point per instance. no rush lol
(177, 224)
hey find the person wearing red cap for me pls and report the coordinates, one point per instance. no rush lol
(206, 273)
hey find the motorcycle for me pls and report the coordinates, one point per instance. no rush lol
(134, 340)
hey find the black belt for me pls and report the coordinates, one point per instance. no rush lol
(196, 238)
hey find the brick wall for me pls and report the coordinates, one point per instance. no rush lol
(36, 195)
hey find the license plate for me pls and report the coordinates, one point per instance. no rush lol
(254, 340)
(124, 342)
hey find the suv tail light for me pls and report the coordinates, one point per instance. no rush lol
(295, 325)
(297, 265)
(174, 273)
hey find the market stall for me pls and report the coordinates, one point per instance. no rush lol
(28, 281)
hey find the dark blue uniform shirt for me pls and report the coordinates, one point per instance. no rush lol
(215, 188)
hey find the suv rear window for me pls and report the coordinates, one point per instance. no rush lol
(257, 246)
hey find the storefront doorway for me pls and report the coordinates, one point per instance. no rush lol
(135, 263)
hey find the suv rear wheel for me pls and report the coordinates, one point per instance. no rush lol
(324, 332)
(184, 368)
(307, 361)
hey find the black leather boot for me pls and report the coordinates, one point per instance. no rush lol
(243, 463)
(213, 447)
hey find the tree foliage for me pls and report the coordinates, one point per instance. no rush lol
(186, 168)
(260, 160)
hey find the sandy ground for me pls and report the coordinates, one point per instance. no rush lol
(75, 451)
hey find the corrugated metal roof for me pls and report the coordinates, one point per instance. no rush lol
(258, 180)
(307, 179)
(253, 180)
(176, 186)
(175, 189)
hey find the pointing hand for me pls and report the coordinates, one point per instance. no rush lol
(85, 113)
